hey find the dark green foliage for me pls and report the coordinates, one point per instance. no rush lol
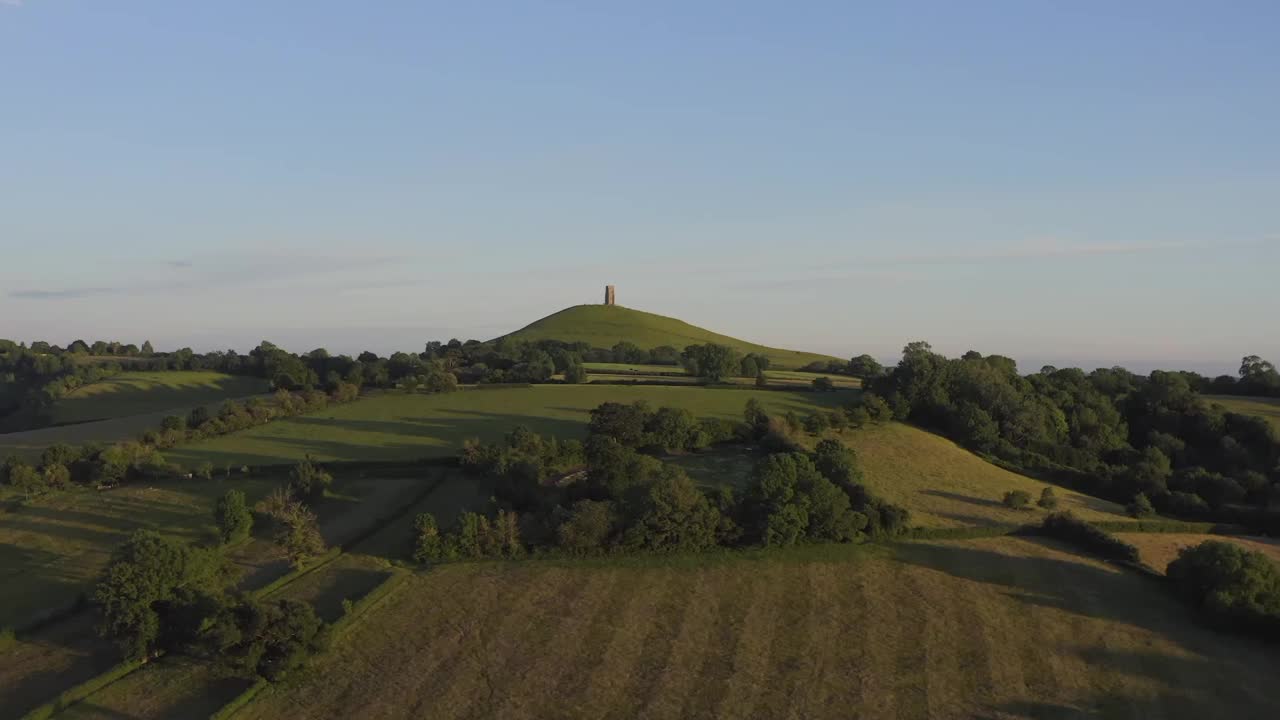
(838, 463)
(267, 640)
(622, 422)
(59, 454)
(674, 516)
(27, 480)
(1140, 507)
(865, 367)
(588, 528)
(308, 481)
(233, 517)
(575, 373)
(1067, 527)
(428, 545)
(711, 361)
(1235, 589)
(1017, 499)
(823, 384)
(1048, 499)
(144, 591)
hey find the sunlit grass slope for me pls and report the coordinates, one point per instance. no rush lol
(148, 392)
(606, 325)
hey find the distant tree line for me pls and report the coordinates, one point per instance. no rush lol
(613, 494)
(1141, 440)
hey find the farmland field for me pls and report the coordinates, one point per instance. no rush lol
(618, 368)
(149, 392)
(396, 426)
(945, 485)
(993, 628)
(1264, 407)
(1160, 549)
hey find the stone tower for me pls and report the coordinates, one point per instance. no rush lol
(608, 295)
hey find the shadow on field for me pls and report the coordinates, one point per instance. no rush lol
(1215, 660)
(981, 502)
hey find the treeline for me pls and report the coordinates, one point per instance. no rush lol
(1109, 432)
(611, 494)
(96, 464)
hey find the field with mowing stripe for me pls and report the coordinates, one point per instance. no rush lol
(149, 392)
(945, 485)
(998, 628)
(1160, 549)
(397, 426)
(1264, 407)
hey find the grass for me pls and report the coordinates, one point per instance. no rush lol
(994, 628)
(1160, 549)
(618, 368)
(604, 326)
(150, 392)
(945, 485)
(1264, 407)
(397, 426)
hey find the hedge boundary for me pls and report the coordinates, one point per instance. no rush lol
(70, 697)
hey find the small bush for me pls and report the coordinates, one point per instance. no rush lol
(1140, 507)
(1017, 499)
(7, 638)
(1048, 499)
(1236, 589)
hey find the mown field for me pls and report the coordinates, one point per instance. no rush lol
(149, 392)
(945, 485)
(397, 426)
(998, 628)
(1268, 408)
(1160, 549)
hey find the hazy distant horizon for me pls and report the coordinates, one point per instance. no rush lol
(1073, 183)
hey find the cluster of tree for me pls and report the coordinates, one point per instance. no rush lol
(1233, 588)
(1256, 377)
(862, 366)
(1108, 432)
(611, 495)
(1021, 499)
(161, 595)
(62, 465)
(669, 429)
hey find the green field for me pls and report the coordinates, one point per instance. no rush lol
(1264, 407)
(620, 368)
(945, 485)
(999, 628)
(604, 326)
(149, 392)
(397, 426)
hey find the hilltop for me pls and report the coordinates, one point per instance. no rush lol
(604, 326)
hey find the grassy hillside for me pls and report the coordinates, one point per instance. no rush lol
(999, 628)
(149, 392)
(1160, 549)
(945, 485)
(396, 426)
(1268, 408)
(606, 325)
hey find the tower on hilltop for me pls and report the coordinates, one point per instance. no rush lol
(608, 295)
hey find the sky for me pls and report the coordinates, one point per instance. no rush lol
(1082, 183)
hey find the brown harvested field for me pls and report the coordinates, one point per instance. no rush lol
(1160, 549)
(998, 628)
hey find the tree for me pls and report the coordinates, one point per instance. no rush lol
(865, 367)
(233, 517)
(711, 361)
(173, 423)
(761, 379)
(267, 640)
(575, 373)
(59, 454)
(624, 423)
(56, 476)
(1140, 507)
(588, 527)
(146, 577)
(308, 481)
(1017, 499)
(1048, 499)
(1235, 588)
(823, 384)
(837, 463)
(674, 517)
(147, 350)
(428, 545)
(26, 480)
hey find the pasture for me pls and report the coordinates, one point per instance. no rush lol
(997, 628)
(1263, 407)
(399, 426)
(945, 485)
(1160, 549)
(141, 393)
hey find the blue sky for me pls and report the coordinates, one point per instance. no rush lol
(1085, 183)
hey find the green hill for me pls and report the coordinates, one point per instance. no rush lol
(604, 326)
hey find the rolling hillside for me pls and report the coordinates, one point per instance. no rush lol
(606, 325)
(1263, 407)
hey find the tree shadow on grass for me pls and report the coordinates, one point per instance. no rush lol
(982, 502)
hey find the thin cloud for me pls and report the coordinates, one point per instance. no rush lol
(66, 294)
(179, 263)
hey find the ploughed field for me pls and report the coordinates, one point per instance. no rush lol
(399, 426)
(999, 628)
